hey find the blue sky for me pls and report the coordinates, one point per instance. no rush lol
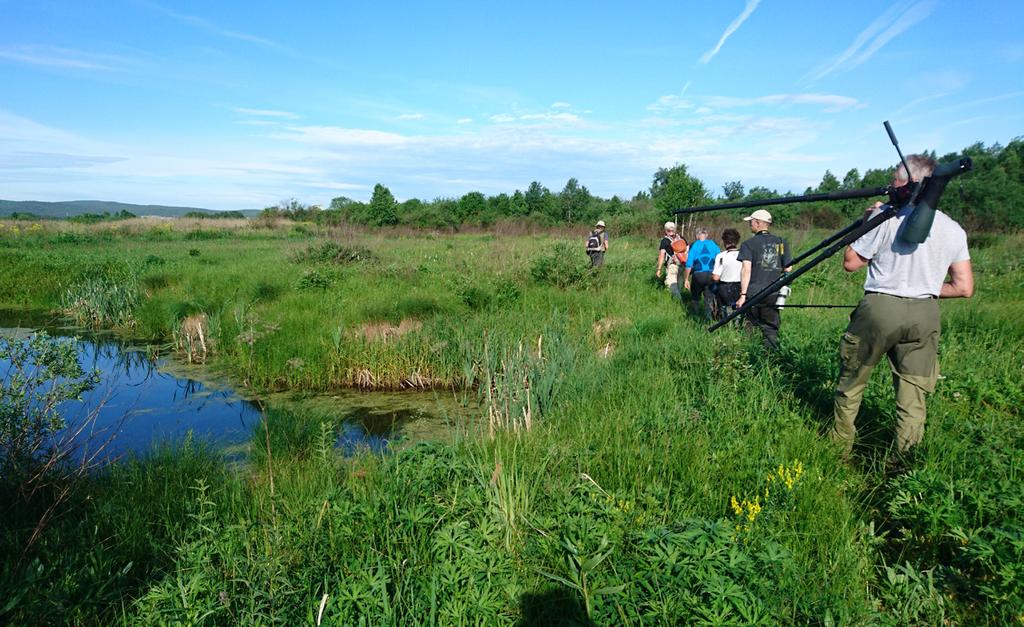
(233, 105)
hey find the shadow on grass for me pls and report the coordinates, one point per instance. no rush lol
(812, 383)
(552, 606)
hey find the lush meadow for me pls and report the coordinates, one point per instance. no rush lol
(626, 467)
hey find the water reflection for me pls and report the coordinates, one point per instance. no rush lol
(374, 427)
(146, 398)
(138, 404)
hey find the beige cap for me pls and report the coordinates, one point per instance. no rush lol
(761, 215)
(600, 223)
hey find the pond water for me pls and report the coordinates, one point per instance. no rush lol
(146, 397)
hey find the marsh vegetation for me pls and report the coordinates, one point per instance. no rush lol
(625, 467)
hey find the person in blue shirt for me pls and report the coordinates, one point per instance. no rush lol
(697, 277)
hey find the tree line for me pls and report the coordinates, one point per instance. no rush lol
(991, 197)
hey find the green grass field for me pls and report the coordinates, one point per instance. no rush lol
(626, 468)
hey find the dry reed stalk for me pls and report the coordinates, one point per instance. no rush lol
(320, 612)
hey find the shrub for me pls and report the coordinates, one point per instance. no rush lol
(333, 252)
(37, 444)
(563, 266)
(70, 237)
(475, 297)
(44, 374)
(314, 280)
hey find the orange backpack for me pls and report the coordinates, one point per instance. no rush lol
(680, 247)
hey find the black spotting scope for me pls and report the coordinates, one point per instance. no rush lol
(919, 223)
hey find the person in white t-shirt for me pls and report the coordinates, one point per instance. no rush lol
(899, 315)
(726, 273)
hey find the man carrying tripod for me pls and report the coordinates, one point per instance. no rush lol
(899, 315)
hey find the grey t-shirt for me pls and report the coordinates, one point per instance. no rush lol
(911, 270)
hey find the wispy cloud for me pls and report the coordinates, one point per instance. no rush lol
(50, 56)
(896, 20)
(675, 104)
(464, 121)
(560, 105)
(27, 134)
(830, 102)
(266, 113)
(917, 101)
(215, 29)
(747, 11)
(339, 136)
(980, 101)
(51, 160)
(668, 103)
(508, 118)
(411, 116)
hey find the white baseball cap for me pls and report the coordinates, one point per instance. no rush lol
(670, 226)
(600, 223)
(761, 215)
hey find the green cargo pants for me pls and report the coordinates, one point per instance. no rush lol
(906, 330)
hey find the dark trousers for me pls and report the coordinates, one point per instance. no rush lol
(727, 295)
(700, 285)
(766, 318)
(596, 258)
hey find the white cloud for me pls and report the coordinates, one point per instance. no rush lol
(336, 135)
(267, 113)
(464, 121)
(560, 105)
(552, 117)
(18, 133)
(669, 103)
(736, 23)
(895, 21)
(411, 116)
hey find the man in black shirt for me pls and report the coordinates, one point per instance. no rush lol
(765, 257)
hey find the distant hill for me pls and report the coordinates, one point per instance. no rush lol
(66, 209)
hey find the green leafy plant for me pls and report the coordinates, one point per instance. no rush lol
(314, 280)
(580, 573)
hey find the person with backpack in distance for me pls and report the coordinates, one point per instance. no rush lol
(700, 261)
(671, 254)
(726, 273)
(597, 245)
